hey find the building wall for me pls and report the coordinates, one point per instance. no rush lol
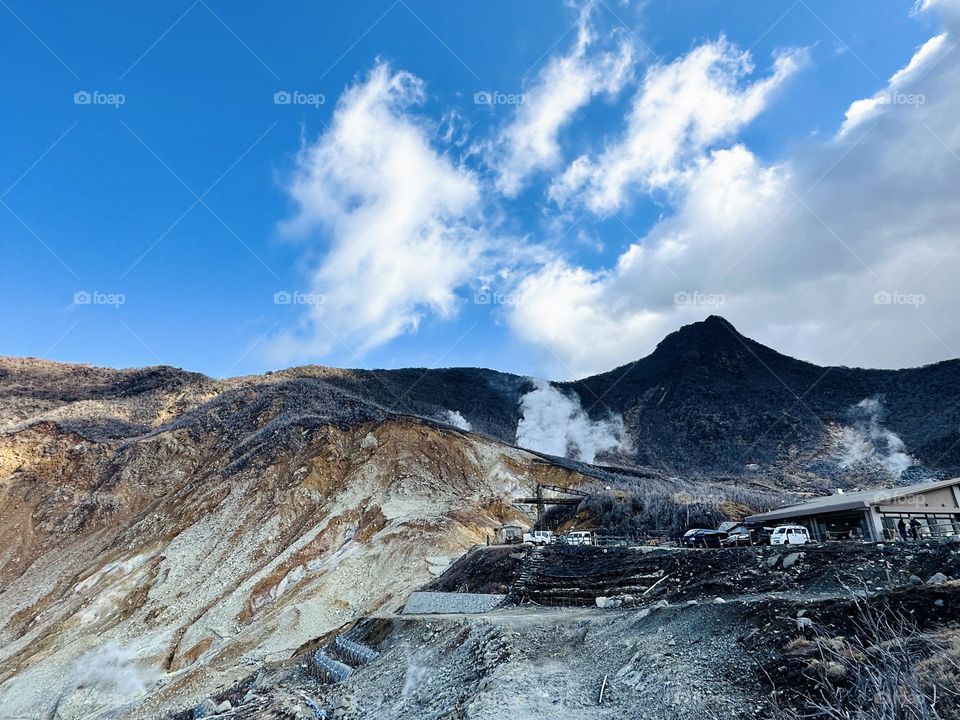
(942, 500)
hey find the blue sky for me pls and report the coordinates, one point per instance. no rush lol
(147, 162)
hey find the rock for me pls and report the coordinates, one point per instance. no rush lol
(369, 442)
(916, 580)
(643, 613)
(938, 602)
(772, 560)
(604, 602)
(937, 579)
(205, 709)
(224, 706)
(660, 604)
(718, 601)
(791, 559)
(804, 622)
(692, 602)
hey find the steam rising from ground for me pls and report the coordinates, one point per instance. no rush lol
(106, 677)
(556, 424)
(868, 443)
(455, 418)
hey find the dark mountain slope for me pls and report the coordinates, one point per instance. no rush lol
(710, 400)
(707, 402)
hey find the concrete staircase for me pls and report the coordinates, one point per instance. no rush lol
(575, 577)
(337, 661)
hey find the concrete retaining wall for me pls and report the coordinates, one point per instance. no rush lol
(437, 603)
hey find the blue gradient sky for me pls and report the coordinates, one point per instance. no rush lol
(104, 198)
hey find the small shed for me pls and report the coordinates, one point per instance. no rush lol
(510, 535)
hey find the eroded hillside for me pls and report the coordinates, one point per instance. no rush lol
(234, 524)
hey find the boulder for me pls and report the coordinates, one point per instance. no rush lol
(791, 560)
(205, 709)
(937, 579)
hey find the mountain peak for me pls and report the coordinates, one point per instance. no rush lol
(706, 336)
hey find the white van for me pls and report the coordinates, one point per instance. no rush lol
(580, 537)
(539, 537)
(789, 535)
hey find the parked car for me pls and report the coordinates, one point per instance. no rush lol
(703, 537)
(762, 535)
(738, 536)
(579, 537)
(790, 535)
(539, 537)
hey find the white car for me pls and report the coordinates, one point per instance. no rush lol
(790, 535)
(579, 537)
(539, 537)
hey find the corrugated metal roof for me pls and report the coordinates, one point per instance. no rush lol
(849, 501)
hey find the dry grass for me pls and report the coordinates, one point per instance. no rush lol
(888, 670)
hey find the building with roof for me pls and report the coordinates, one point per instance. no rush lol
(932, 509)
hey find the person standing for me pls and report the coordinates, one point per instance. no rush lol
(902, 527)
(915, 529)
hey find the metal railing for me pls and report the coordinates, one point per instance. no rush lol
(931, 531)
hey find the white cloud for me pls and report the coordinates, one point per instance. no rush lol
(794, 253)
(861, 111)
(529, 143)
(402, 223)
(681, 109)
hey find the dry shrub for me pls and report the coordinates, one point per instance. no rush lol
(940, 672)
(799, 646)
(889, 670)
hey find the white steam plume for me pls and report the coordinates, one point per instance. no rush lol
(556, 424)
(868, 442)
(456, 418)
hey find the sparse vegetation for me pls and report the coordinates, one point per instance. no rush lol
(668, 508)
(888, 669)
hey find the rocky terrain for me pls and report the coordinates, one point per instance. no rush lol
(163, 533)
(749, 632)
